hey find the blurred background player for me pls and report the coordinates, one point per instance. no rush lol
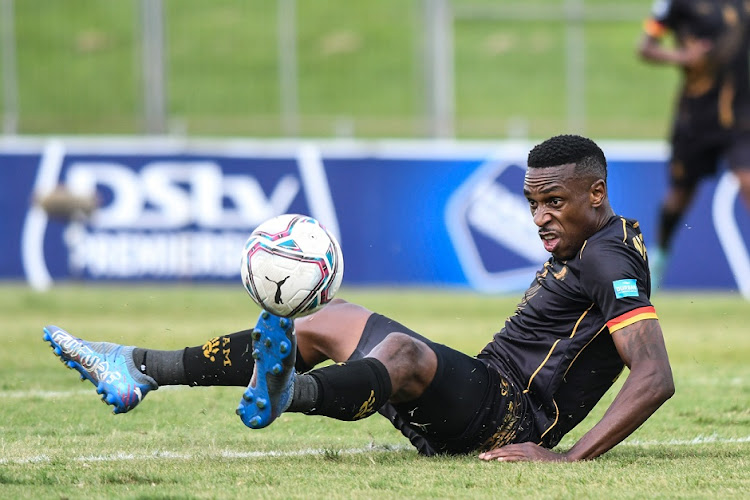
(712, 117)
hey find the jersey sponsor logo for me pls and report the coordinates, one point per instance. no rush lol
(625, 288)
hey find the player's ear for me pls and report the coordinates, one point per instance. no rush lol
(598, 193)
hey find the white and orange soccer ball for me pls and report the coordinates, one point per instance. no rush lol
(291, 265)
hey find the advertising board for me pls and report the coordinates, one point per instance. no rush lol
(406, 213)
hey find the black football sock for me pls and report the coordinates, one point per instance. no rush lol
(224, 360)
(165, 367)
(221, 361)
(346, 391)
(305, 395)
(667, 226)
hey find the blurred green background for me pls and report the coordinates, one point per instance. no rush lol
(360, 68)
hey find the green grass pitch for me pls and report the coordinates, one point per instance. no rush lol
(58, 441)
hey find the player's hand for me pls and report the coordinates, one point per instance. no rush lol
(522, 452)
(694, 53)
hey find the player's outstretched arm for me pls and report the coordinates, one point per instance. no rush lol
(648, 386)
(652, 50)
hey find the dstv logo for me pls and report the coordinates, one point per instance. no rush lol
(178, 194)
(167, 218)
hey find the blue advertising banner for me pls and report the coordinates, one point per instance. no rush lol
(406, 213)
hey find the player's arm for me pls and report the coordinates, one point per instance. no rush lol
(648, 386)
(652, 49)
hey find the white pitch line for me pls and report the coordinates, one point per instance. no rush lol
(32, 394)
(90, 391)
(687, 442)
(220, 454)
(230, 454)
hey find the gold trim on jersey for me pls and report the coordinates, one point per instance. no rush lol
(575, 328)
(560, 276)
(544, 362)
(557, 417)
(624, 235)
(528, 387)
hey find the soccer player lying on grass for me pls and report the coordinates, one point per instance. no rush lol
(586, 315)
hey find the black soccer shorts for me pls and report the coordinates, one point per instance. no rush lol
(696, 156)
(467, 408)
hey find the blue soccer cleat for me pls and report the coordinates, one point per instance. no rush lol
(270, 390)
(108, 366)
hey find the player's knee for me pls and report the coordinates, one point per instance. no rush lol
(411, 364)
(402, 347)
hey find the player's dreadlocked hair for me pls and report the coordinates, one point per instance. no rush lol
(564, 149)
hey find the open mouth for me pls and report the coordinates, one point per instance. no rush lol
(550, 241)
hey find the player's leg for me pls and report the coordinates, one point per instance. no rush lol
(330, 338)
(677, 199)
(332, 333)
(692, 160)
(743, 176)
(468, 407)
(443, 400)
(674, 204)
(225, 360)
(398, 369)
(458, 398)
(739, 162)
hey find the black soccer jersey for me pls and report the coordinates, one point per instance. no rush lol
(557, 346)
(716, 93)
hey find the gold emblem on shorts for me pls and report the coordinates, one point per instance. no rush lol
(508, 428)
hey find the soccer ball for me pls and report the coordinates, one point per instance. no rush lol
(291, 265)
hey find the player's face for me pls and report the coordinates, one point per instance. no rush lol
(562, 207)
